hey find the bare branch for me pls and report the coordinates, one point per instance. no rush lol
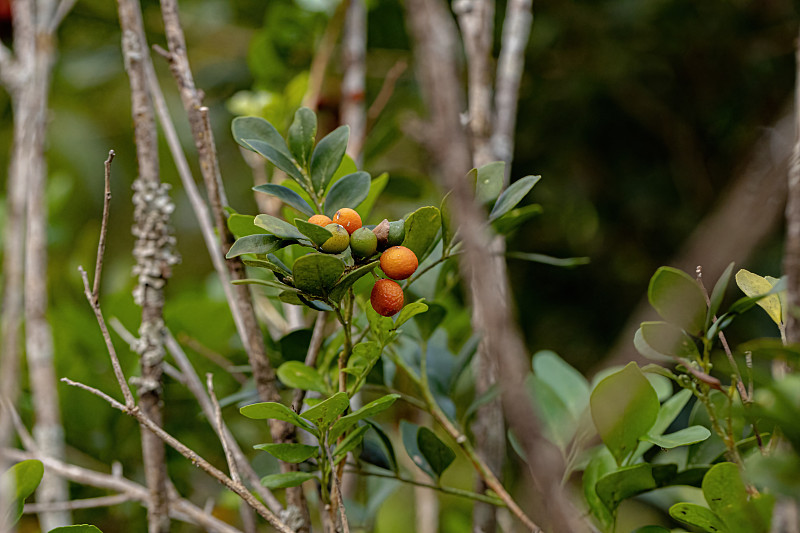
(220, 429)
(101, 245)
(71, 505)
(337, 484)
(354, 53)
(64, 7)
(387, 89)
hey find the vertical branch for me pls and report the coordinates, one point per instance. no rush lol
(354, 52)
(516, 29)
(791, 258)
(154, 255)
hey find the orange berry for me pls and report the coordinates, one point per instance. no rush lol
(398, 262)
(348, 218)
(320, 220)
(386, 297)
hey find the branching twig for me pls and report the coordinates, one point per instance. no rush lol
(101, 245)
(220, 430)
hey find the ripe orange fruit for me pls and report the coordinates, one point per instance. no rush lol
(339, 240)
(398, 262)
(386, 297)
(348, 218)
(320, 220)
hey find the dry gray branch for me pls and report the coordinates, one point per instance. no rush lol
(354, 54)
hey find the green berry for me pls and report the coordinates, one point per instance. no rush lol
(363, 243)
(339, 241)
(397, 232)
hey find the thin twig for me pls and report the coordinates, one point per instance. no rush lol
(64, 7)
(337, 483)
(386, 91)
(101, 245)
(190, 454)
(216, 358)
(71, 505)
(220, 430)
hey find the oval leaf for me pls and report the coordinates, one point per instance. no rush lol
(19, 481)
(277, 158)
(81, 528)
(259, 129)
(372, 408)
(684, 437)
(349, 442)
(349, 191)
(631, 481)
(668, 340)
(422, 226)
(297, 375)
(624, 407)
(566, 382)
(718, 293)
(317, 234)
(274, 411)
(438, 455)
(289, 452)
(242, 225)
(754, 285)
(278, 227)
(323, 414)
(338, 292)
(316, 273)
(410, 311)
(678, 298)
(512, 196)
(254, 244)
(327, 156)
(287, 196)
(698, 516)
(488, 181)
(286, 480)
(302, 134)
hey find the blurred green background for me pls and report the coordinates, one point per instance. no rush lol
(637, 113)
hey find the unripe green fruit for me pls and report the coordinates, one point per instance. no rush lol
(397, 232)
(363, 243)
(339, 241)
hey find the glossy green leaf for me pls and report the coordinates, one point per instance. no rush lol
(287, 196)
(286, 480)
(438, 454)
(363, 358)
(289, 452)
(78, 528)
(297, 375)
(257, 128)
(682, 437)
(276, 157)
(669, 340)
(409, 311)
(254, 244)
(242, 225)
(646, 350)
(488, 181)
(375, 189)
(274, 411)
(316, 273)
(408, 432)
(515, 218)
(569, 384)
(601, 464)
(566, 262)
(698, 516)
(18, 483)
(340, 289)
(269, 265)
(278, 227)
(667, 414)
(422, 227)
(349, 443)
(302, 134)
(727, 496)
(317, 234)
(754, 285)
(371, 409)
(624, 407)
(718, 294)
(325, 413)
(386, 445)
(349, 191)
(559, 424)
(512, 196)
(678, 298)
(628, 481)
(327, 156)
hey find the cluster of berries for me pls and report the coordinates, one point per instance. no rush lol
(397, 262)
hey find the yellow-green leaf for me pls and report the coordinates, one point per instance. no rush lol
(754, 285)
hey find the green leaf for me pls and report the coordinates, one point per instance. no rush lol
(409, 432)
(275, 411)
(718, 294)
(566, 262)
(515, 218)
(667, 414)
(363, 358)
(646, 350)
(289, 452)
(727, 496)
(668, 340)
(558, 421)
(409, 311)
(629, 481)
(265, 283)
(269, 265)
(242, 225)
(601, 464)
(678, 298)
(372, 408)
(488, 181)
(624, 407)
(569, 384)
(323, 414)
(349, 191)
(431, 320)
(388, 448)
(448, 229)
(327, 156)
(438, 455)
(512, 196)
(651, 529)
(754, 285)
(81, 528)
(278, 227)
(18, 483)
(422, 227)
(286, 480)
(350, 442)
(339, 290)
(277, 158)
(297, 375)
(317, 234)
(302, 134)
(316, 273)
(244, 128)
(683, 437)
(698, 516)
(254, 244)
(287, 196)
(375, 189)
